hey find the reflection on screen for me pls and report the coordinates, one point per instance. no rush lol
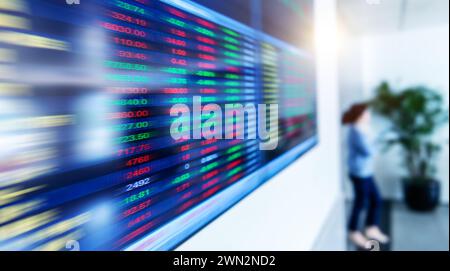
(86, 154)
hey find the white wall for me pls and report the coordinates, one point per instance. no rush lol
(414, 57)
(290, 211)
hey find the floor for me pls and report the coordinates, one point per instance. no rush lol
(419, 231)
(413, 231)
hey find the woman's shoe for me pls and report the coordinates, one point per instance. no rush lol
(374, 233)
(358, 239)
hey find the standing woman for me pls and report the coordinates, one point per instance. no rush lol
(361, 172)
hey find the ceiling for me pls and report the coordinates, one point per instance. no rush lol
(366, 17)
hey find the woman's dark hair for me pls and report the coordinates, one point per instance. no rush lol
(354, 113)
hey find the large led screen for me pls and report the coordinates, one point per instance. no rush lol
(131, 124)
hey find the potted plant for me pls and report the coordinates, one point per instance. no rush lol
(414, 114)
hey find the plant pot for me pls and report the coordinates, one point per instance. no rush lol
(422, 196)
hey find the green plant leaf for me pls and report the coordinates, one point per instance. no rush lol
(414, 113)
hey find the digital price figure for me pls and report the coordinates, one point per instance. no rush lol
(287, 81)
(180, 55)
(91, 158)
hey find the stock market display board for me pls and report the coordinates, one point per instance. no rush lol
(88, 159)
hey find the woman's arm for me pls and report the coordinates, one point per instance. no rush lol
(359, 142)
